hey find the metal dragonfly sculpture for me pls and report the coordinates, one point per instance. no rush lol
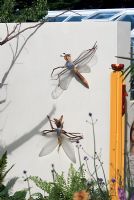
(60, 138)
(72, 69)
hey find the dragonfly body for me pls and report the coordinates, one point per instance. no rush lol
(70, 66)
(60, 138)
(58, 131)
(73, 69)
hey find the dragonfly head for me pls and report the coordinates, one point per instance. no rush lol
(66, 56)
(59, 122)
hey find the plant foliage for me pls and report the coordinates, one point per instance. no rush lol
(130, 69)
(3, 165)
(5, 189)
(12, 11)
(62, 189)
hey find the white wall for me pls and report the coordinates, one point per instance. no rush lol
(30, 86)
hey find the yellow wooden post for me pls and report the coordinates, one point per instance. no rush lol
(117, 123)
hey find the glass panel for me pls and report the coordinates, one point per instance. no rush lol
(104, 15)
(57, 19)
(76, 18)
(128, 18)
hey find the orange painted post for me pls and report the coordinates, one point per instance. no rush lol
(120, 134)
(117, 123)
(113, 126)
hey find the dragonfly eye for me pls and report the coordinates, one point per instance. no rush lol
(62, 55)
(65, 54)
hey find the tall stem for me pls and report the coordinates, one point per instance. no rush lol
(79, 156)
(94, 158)
(103, 173)
(89, 171)
(29, 189)
(53, 172)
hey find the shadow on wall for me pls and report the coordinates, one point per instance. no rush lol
(2, 126)
(27, 136)
(5, 107)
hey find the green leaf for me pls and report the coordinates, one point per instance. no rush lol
(44, 185)
(126, 58)
(3, 165)
(19, 195)
(129, 71)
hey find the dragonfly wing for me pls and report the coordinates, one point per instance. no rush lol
(83, 68)
(86, 56)
(68, 149)
(57, 70)
(56, 92)
(93, 60)
(65, 80)
(49, 146)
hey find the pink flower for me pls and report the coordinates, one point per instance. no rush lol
(121, 194)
